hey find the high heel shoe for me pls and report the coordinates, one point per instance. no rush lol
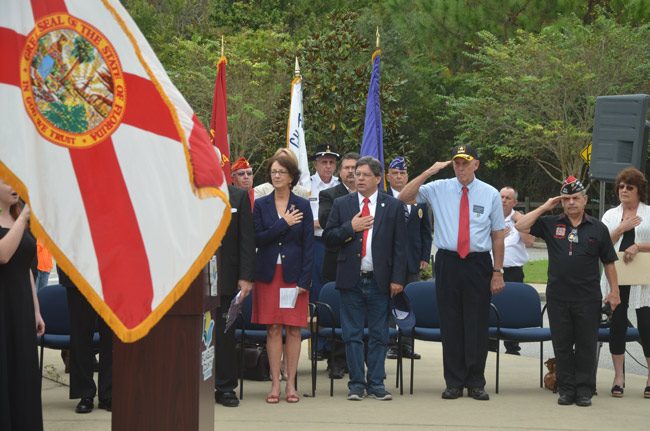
(617, 391)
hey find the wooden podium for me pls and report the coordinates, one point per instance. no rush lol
(165, 381)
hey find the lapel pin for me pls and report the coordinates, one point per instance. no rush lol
(383, 204)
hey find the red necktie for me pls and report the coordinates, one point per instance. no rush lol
(463, 226)
(365, 211)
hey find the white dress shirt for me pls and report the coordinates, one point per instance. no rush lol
(366, 261)
(515, 253)
(317, 185)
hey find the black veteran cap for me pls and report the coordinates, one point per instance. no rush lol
(467, 152)
(325, 150)
(571, 185)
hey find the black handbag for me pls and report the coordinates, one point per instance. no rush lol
(256, 363)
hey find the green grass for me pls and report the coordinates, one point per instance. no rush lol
(535, 271)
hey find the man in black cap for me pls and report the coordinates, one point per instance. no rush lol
(576, 242)
(468, 224)
(324, 159)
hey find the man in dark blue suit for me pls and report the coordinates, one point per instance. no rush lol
(418, 228)
(369, 229)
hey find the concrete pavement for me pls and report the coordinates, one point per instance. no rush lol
(521, 404)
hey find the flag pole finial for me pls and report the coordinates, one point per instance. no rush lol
(378, 37)
(297, 69)
(222, 46)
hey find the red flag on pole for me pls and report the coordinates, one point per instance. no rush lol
(219, 121)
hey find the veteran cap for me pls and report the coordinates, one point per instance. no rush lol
(466, 151)
(241, 163)
(325, 150)
(571, 185)
(402, 312)
(398, 163)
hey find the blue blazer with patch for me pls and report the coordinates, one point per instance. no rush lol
(388, 241)
(274, 236)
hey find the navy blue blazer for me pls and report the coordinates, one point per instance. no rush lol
(294, 243)
(388, 241)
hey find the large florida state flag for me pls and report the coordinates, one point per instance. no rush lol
(125, 187)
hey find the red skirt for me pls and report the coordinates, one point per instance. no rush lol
(266, 303)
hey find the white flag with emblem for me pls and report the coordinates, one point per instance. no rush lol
(296, 131)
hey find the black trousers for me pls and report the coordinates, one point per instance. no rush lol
(514, 274)
(463, 291)
(84, 321)
(225, 356)
(574, 333)
(618, 325)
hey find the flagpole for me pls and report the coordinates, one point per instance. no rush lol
(219, 119)
(372, 142)
(295, 130)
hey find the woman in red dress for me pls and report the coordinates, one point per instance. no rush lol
(284, 236)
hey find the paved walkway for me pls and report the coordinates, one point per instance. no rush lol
(521, 404)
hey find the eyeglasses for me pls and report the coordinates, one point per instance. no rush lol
(627, 187)
(244, 174)
(279, 172)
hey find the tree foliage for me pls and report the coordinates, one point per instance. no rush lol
(336, 68)
(517, 77)
(535, 94)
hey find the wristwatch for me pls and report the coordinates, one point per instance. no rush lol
(497, 270)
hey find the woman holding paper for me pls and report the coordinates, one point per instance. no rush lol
(629, 227)
(284, 237)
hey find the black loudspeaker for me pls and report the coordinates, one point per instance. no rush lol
(620, 137)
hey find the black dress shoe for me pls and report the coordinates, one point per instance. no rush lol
(408, 353)
(226, 399)
(86, 405)
(105, 405)
(478, 394)
(392, 353)
(452, 393)
(565, 400)
(583, 401)
(337, 373)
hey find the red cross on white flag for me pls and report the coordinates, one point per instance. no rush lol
(125, 187)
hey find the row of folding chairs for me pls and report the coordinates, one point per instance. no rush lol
(517, 315)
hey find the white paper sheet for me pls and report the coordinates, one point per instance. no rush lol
(288, 297)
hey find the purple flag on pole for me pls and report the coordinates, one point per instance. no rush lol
(373, 135)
